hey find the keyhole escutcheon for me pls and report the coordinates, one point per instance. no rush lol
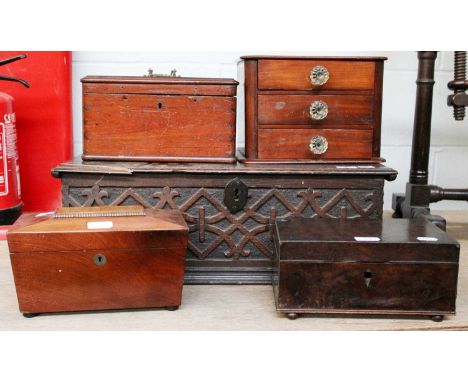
(99, 259)
(367, 277)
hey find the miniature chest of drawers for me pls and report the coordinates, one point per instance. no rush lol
(390, 266)
(229, 208)
(160, 119)
(98, 258)
(312, 108)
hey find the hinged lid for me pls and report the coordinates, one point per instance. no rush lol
(363, 240)
(107, 227)
(160, 85)
(77, 166)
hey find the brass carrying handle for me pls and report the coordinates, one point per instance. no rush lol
(319, 75)
(318, 110)
(152, 74)
(318, 145)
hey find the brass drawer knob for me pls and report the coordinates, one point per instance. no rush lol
(318, 144)
(318, 110)
(319, 75)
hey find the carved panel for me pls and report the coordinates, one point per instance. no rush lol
(217, 234)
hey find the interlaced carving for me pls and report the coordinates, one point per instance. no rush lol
(217, 233)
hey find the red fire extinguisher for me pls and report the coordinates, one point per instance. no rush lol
(10, 189)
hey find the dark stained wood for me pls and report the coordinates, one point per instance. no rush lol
(294, 143)
(324, 240)
(84, 168)
(280, 94)
(53, 261)
(295, 74)
(427, 289)
(294, 109)
(224, 247)
(322, 268)
(137, 118)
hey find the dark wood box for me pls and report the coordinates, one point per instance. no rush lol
(226, 246)
(290, 115)
(393, 266)
(159, 119)
(99, 258)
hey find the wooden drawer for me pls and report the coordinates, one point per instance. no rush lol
(341, 286)
(296, 109)
(294, 143)
(281, 93)
(295, 74)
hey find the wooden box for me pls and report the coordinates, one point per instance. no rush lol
(226, 244)
(312, 108)
(164, 119)
(399, 266)
(99, 258)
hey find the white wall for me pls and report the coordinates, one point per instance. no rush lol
(449, 149)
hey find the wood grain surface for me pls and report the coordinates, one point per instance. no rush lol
(71, 281)
(322, 267)
(294, 109)
(90, 168)
(158, 126)
(294, 143)
(61, 264)
(231, 307)
(295, 74)
(160, 89)
(412, 288)
(279, 93)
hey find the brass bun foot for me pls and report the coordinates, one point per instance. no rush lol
(292, 316)
(437, 318)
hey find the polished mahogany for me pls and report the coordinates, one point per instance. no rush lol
(281, 116)
(97, 258)
(164, 119)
